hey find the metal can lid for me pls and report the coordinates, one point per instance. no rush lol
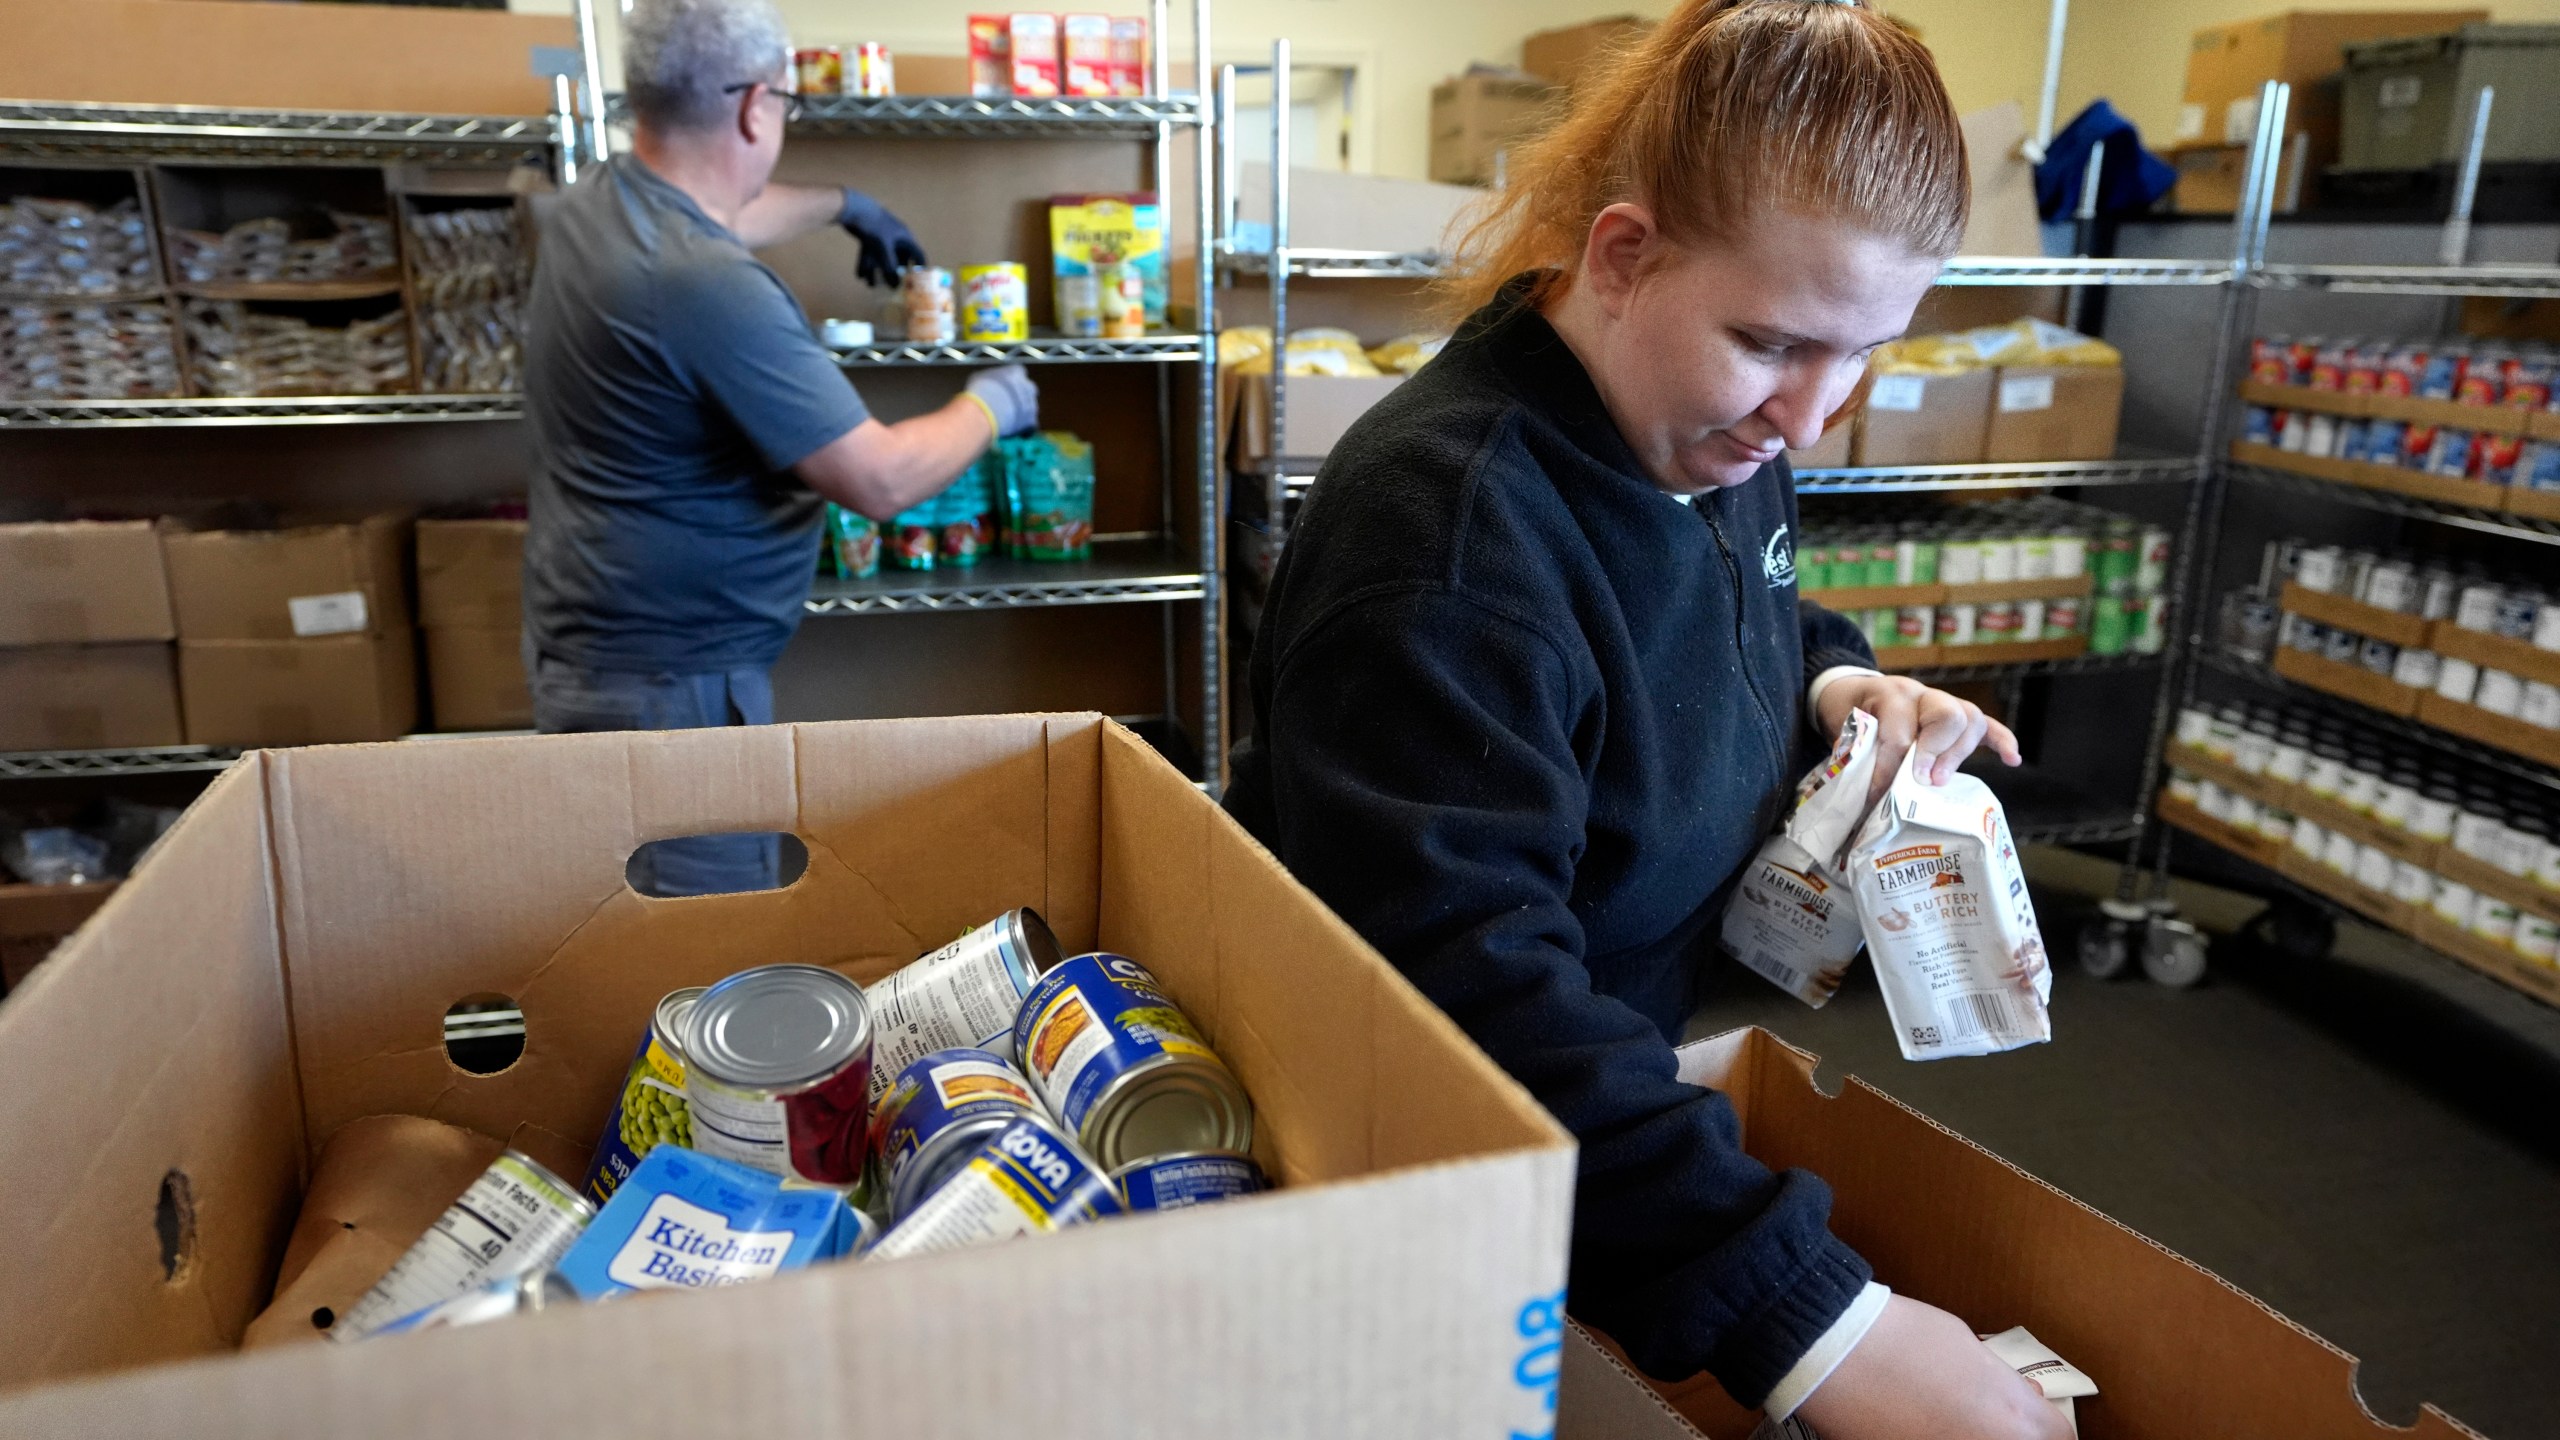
(668, 1021)
(1184, 1157)
(949, 1152)
(1031, 939)
(1172, 1103)
(777, 1026)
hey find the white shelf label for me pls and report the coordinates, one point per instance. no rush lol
(2027, 392)
(1897, 392)
(340, 614)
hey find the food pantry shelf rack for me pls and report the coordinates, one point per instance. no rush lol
(1038, 350)
(49, 130)
(264, 410)
(82, 764)
(2031, 475)
(966, 116)
(1123, 572)
(2521, 282)
(2417, 732)
(2463, 517)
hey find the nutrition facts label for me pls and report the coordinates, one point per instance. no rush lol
(515, 1218)
(962, 994)
(742, 1125)
(979, 1205)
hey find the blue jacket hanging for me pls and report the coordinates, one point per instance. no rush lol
(2130, 180)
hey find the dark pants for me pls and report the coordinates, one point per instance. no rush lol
(572, 699)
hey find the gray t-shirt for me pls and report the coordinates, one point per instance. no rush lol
(672, 383)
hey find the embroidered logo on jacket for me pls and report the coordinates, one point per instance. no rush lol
(1778, 560)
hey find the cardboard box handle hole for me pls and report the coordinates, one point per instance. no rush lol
(175, 1220)
(735, 862)
(483, 1033)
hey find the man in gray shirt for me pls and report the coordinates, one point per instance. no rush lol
(686, 423)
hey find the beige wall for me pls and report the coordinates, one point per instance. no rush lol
(1990, 50)
(2136, 54)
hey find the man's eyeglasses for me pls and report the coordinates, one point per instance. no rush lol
(792, 101)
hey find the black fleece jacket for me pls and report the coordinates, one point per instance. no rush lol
(1520, 717)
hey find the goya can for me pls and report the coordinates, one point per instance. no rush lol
(932, 306)
(995, 303)
(1176, 1182)
(1027, 1179)
(1124, 1068)
(966, 993)
(650, 1110)
(778, 1073)
(941, 1110)
(516, 1218)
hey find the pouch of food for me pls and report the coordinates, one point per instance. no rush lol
(1943, 902)
(1791, 921)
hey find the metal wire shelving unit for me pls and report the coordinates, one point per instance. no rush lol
(1122, 572)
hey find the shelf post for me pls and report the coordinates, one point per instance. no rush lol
(564, 130)
(598, 148)
(1213, 639)
(2455, 249)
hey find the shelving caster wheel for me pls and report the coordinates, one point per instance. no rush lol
(2173, 952)
(2109, 939)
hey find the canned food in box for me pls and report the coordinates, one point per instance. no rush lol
(937, 1114)
(778, 1070)
(516, 1218)
(650, 1110)
(1123, 1067)
(995, 303)
(1027, 1179)
(965, 994)
(1176, 1182)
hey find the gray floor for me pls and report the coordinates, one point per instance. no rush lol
(2327, 1142)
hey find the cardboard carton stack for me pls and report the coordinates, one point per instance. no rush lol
(2026, 391)
(84, 638)
(2227, 64)
(295, 636)
(1564, 57)
(1477, 116)
(471, 613)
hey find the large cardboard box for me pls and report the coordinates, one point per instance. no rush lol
(1398, 1283)
(1560, 57)
(2407, 102)
(470, 573)
(299, 692)
(2055, 412)
(88, 697)
(476, 679)
(1335, 210)
(1926, 419)
(1475, 118)
(82, 583)
(1321, 409)
(297, 582)
(2226, 65)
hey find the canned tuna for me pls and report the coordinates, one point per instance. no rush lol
(1027, 1179)
(964, 994)
(942, 1108)
(1176, 1182)
(778, 1073)
(650, 1110)
(517, 1217)
(1123, 1067)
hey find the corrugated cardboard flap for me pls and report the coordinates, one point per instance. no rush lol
(2177, 1351)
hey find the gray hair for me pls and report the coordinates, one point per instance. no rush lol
(678, 54)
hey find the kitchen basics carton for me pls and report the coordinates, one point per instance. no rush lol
(280, 966)
(2176, 1352)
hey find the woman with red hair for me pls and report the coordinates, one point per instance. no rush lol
(1534, 680)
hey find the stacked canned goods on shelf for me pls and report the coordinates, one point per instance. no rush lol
(1888, 544)
(2426, 803)
(786, 1116)
(2463, 597)
(2458, 370)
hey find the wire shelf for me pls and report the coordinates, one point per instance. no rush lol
(62, 130)
(2074, 665)
(317, 410)
(2486, 522)
(2034, 270)
(1038, 350)
(2530, 282)
(1339, 264)
(2036, 475)
(82, 764)
(962, 117)
(2417, 732)
(1127, 572)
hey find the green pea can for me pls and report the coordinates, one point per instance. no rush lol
(2110, 626)
(2114, 561)
(650, 1109)
(1880, 558)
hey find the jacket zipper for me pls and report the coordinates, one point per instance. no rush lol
(1742, 638)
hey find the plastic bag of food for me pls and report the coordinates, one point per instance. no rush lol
(1407, 354)
(1049, 490)
(1792, 920)
(1943, 902)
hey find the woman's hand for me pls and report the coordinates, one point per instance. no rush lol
(1911, 716)
(1919, 1374)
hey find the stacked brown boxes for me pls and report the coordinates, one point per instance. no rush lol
(295, 636)
(84, 638)
(1475, 118)
(471, 608)
(1564, 57)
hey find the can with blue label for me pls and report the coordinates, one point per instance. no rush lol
(1177, 1182)
(650, 1109)
(966, 993)
(1124, 1068)
(932, 1121)
(690, 1221)
(1029, 1179)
